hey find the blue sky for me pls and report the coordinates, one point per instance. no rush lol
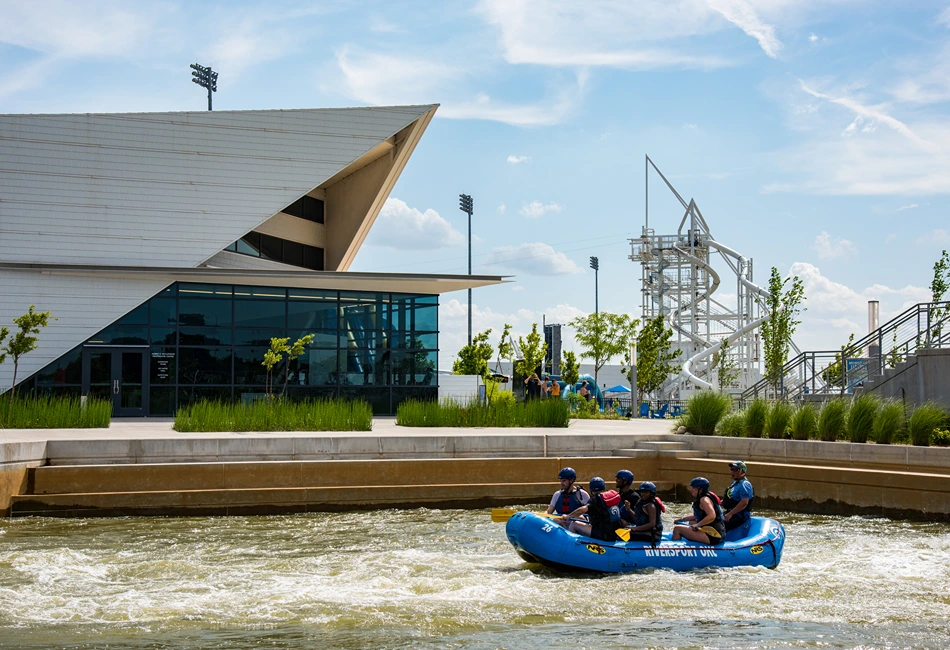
(813, 135)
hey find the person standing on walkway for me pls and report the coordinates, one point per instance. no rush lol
(737, 503)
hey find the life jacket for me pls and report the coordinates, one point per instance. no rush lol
(719, 524)
(641, 517)
(570, 501)
(633, 497)
(729, 503)
(605, 515)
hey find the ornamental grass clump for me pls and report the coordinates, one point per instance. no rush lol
(755, 417)
(888, 423)
(833, 420)
(54, 413)
(732, 425)
(778, 419)
(861, 417)
(923, 421)
(704, 410)
(804, 423)
(548, 413)
(276, 415)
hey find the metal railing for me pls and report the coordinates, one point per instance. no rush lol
(838, 372)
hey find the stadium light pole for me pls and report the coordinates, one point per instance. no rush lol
(465, 205)
(205, 77)
(595, 264)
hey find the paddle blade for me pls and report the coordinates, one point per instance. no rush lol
(623, 534)
(500, 515)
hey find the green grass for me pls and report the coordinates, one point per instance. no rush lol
(778, 419)
(889, 423)
(54, 413)
(732, 425)
(861, 417)
(448, 413)
(804, 423)
(755, 416)
(833, 420)
(265, 415)
(703, 412)
(922, 423)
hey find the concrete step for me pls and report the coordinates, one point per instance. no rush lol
(662, 445)
(636, 453)
(683, 453)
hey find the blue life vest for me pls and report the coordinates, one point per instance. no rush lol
(570, 501)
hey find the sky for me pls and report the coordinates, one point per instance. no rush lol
(813, 135)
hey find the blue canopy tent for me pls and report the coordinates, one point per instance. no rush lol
(617, 389)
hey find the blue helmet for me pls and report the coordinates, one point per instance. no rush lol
(647, 486)
(568, 473)
(625, 475)
(598, 484)
(700, 483)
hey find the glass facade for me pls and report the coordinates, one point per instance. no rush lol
(207, 341)
(255, 244)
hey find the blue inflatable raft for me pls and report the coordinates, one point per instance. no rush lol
(758, 542)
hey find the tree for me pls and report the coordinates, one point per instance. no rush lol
(278, 347)
(298, 348)
(505, 349)
(654, 356)
(782, 306)
(604, 336)
(727, 365)
(23, 341)
(533, 350)
(473, 359)
(938, 289)
(832, 375)
(570, 369)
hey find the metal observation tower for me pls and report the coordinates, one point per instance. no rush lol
(679, 281)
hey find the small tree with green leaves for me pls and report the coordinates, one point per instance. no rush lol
(23, 341)
(604, 336)
(938, 289)
(533, 349)
(295, 350)
(728, 367)
(278, 348)
(473, 359)
(654, 356)
(506, 350)
(570, 370)
(783, 307)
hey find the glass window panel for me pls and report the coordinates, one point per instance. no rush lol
(319, 367)
(426, 318)
(313, 258)
(257, 336)
(170, 290)
(163, 311)
(206, 290)
(249, 395)
(204, 336)
(400, 313)
(378, 398)
(416, 341)
(162, 365)
(231, 247)
(316, 314)
(59, 391)
(425, 393)
(65, 370)
(191, 394)
(414, 368)
(122, 335)
(163, 335)
(321, 339)
(100, 368)
(260, 313)
(271, 248)
(312, 393)
(427, 300)
(138, 316)
(248, 245)
(366, 339)
(313, 294)
(161, 401)
(271, 293)
(204, 312)
(366, 367)
(204, 366)
(248, 368)
(133, 375)
(293, 253)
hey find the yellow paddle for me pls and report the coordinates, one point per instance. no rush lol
(500, 515)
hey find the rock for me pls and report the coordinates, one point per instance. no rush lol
(681, 430)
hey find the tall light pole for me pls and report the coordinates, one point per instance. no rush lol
(205, 77)
(465, 205)
(595, 264)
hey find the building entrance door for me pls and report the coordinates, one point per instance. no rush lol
(119, 374)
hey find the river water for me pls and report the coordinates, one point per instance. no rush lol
(449, 579)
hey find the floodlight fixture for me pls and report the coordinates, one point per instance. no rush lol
(205, 77)
(466, 205)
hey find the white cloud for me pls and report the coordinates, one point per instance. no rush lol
(907, 207)
(813, 37)
(251, 41)
(514, 160)
(501, 208)
(829, 249)
(936, 237)
(532, 258)
(537, 209)
(690, 126)
(743, 16)
(402, 227)
(891, 237)
(518, 287)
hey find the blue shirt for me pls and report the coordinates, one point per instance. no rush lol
(739, 490)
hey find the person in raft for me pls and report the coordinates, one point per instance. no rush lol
(605, 511)
(705, 525)
(648, 524)
(628, 495)
(569, 498)
(737, 504)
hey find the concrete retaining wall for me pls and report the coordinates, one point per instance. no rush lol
(16, 458)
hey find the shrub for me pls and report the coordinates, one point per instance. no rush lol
(941, 438)
(861, 417)
(732, 425)
(54, 413)
(276, 415)
(804, 422)
(888, 423)
(922, 423)
(778, 419)
(755, 417)
(703, 412)
(535, 413)
(833, 420)
(504, 398)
